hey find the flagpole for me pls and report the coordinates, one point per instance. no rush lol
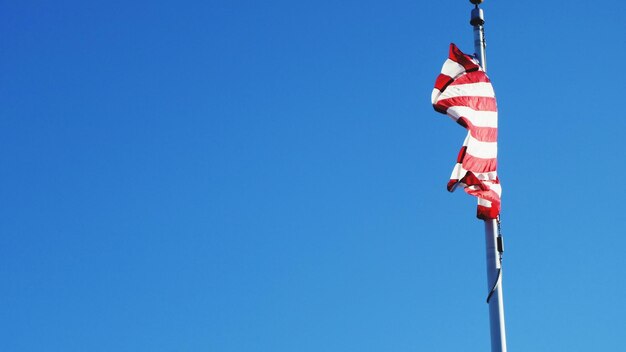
(493, 239)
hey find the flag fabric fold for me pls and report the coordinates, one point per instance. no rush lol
(464, 93)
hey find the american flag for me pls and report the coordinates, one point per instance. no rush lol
(464, 93)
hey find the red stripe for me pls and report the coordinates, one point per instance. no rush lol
(440, 109)
(488, 213)
(463, 122)
(461, 155)
(476, 103)
(471, 77)
(489, 195)
(452, 184)
(475, 164)
(464, 60)
(483, 134)
(442, 82)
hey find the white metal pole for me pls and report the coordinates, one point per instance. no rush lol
(494, 279)
(493, 248)
(477, 21)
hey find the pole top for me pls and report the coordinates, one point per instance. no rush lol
(476, 2)
(478, 17)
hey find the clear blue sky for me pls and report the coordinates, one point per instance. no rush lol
(270, 176)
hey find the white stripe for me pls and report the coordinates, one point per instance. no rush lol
(484, 202)
(495, 187)
(458, 172)
(484, 150)
(435, 95)
(480, 89)
(475, 117)
(452, 69)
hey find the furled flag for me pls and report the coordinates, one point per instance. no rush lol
(463, 92)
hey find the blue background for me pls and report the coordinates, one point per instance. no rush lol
(270, 176)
